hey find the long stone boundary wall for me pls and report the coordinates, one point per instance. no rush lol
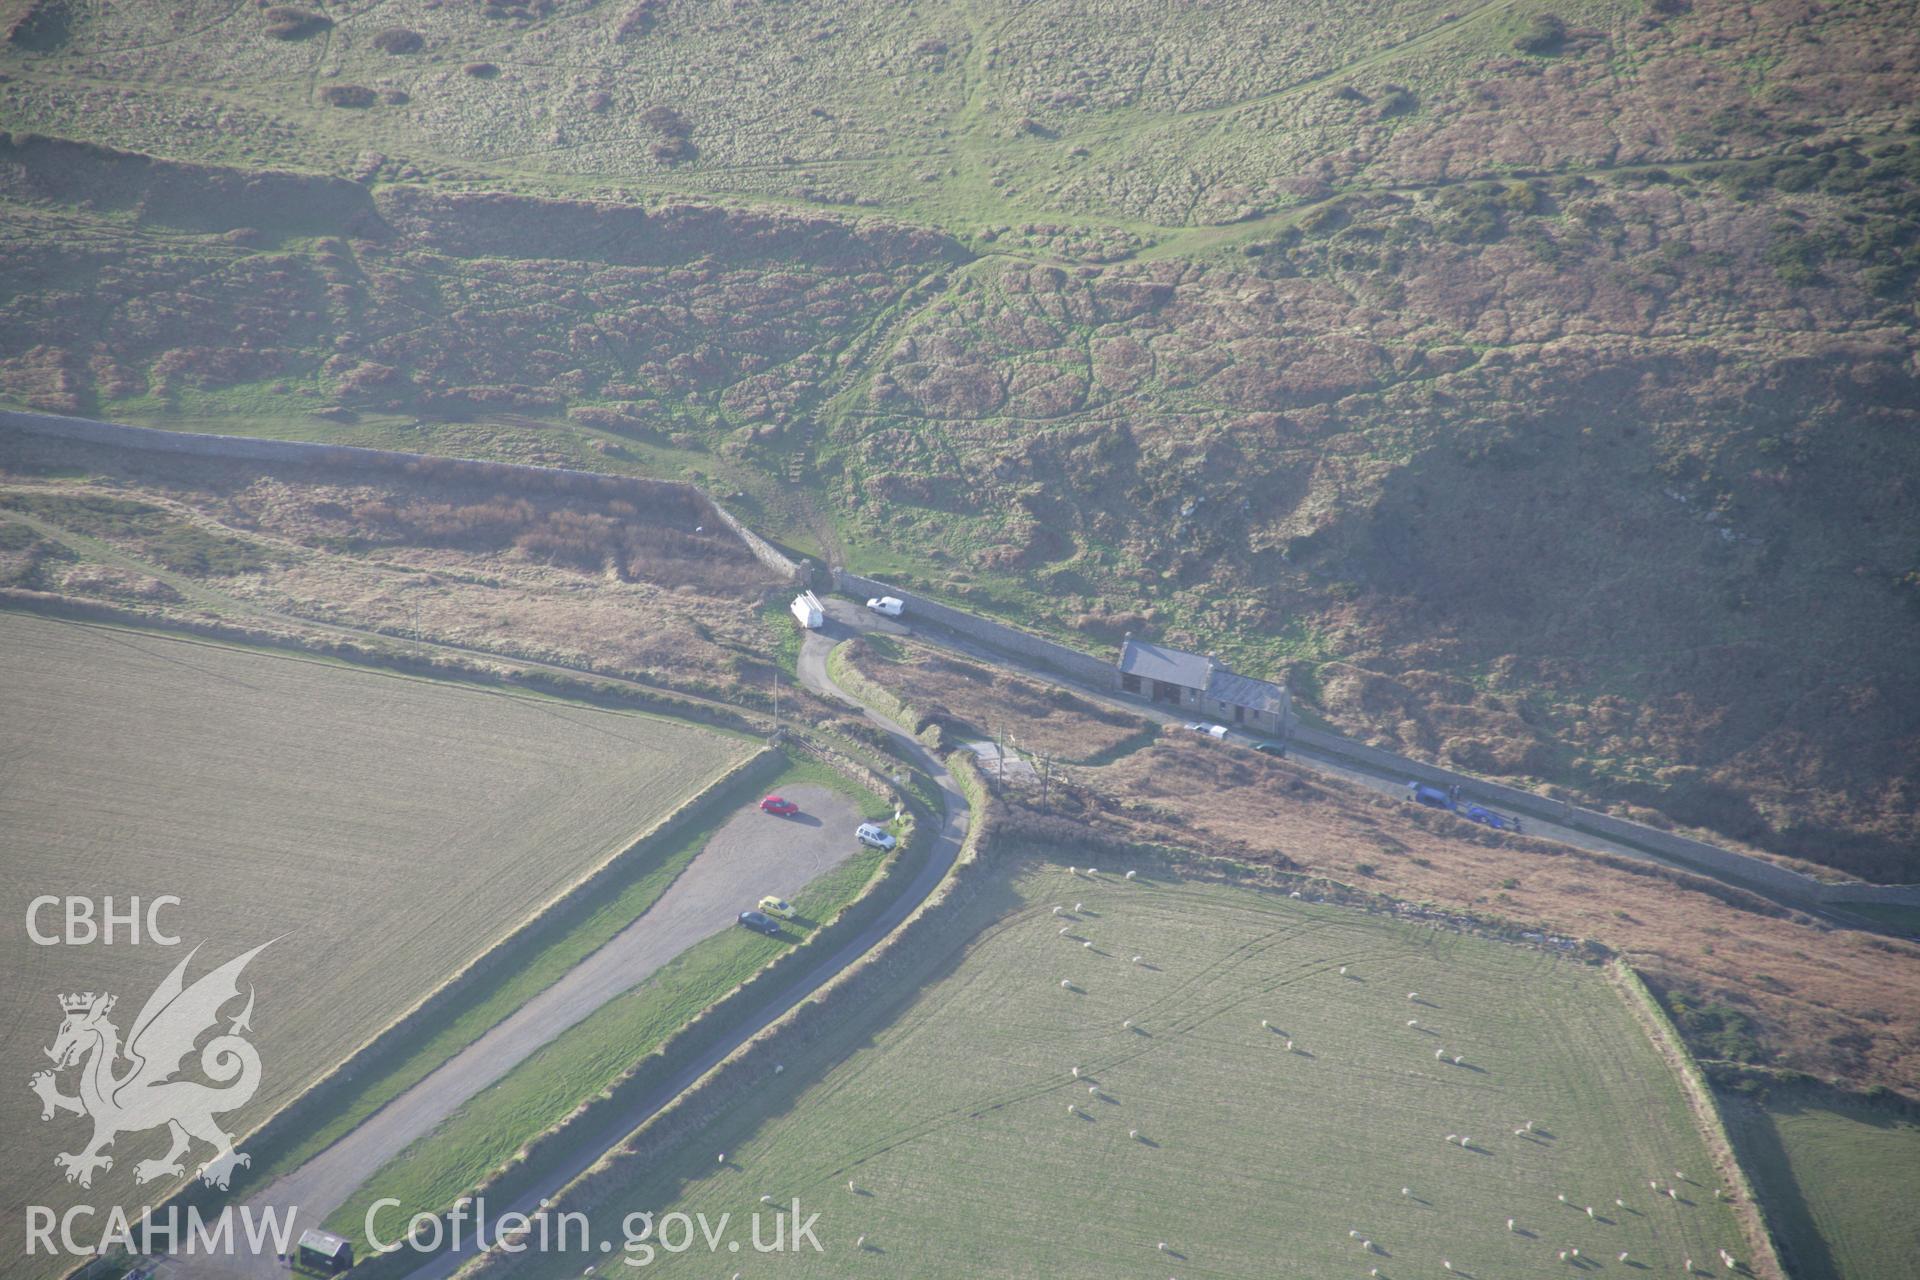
(1020, 644)
(1769, 878)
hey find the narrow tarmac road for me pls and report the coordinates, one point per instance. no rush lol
(954, 822)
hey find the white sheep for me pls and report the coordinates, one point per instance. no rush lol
(1590, 1212)
(1446, 1264)
(1618, 1203)
(1518, 1132)
(1094, 1089)
(1672, 1194)
(1563, 1255)
(1413, 1022)
(1458, 1059)
(1066, 931)
(1623, 1255)
(861, 1243)
(1413, 995)
(1653, 1183)
(1076, 1073)
(1289, 1046)
(778, 1067)
(851, 1186)
(766, 1199)
(1086, 944)
(1131, 874)
(1563, 1197)
(1406, 1191)
(1265, 1025)
(1066, 982)
(1343, 971)
(1367, 1245)
(1465, 1141)
(1439, 1053)
(1134, 1134)
(1139, 959)
(1352, 1234)
(1071, 871)
(1072, 1110)
(1510, 1224)
(1162, 1246)
(1093, 871)
(721, 1158)
(1079, 907)
(1529, 1126)
(1058, 910)
(1453, 1137)
(1127, 1025)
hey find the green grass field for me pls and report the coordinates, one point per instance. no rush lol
(976, 1152)
(541, 1091)
(384, 829)
(1837, 1180)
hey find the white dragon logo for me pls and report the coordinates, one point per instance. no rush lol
(143, 1095)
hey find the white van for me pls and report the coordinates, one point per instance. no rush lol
(887, 606)
(875, 836)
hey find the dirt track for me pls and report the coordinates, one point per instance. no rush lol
(752, 855)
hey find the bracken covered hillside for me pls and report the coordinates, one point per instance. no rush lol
(1534, 384)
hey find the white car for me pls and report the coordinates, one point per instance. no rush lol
(1215, 731)
(875, 836)
(887, 606)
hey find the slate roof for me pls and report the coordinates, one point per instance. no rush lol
(1245, 691)
(1168, 666)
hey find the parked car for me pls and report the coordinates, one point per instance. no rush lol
(1215, 731)
(777, 907)
(1433, 797)
(779, 807)
(887, 606)
(1271, 748)
(1488, 818)
(760, 923)
(875, 836)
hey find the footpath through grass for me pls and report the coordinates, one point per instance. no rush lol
(1263, 1114)
(593, 1054)
(1837, 1180)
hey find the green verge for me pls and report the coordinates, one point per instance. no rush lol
(541, 1092)
(648, 877)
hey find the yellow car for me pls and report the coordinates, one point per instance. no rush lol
(777, 907)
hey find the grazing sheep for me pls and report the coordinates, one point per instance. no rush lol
(1653, 1183)
(1618, 1203)
(850, 1185)
(1590, 1211)
(1162, 1246)
(1623, 1255)
(1076, 1073)
(1134, 1134)
(1265, 1025)
(1458, 1059)
(1672, 1194)
(1563, 1255)
(1127, 1025)
(1529, 1126)
(1563, 1197)
(1130, 875)
(861, 1243)
(1367, 1245)
(1413, 1022)
(1072, 1110)
(766, 1199)
(1518, 1132)
(1289, 1046)
(1086, 944)
(1353, 1235)
(1413, 995)
(1575, 1252)
(1058, 910)
(1373, 1271)
(1453, 1137)
(1066, 982)
(1446, 1264)
(1439, 1055)
(1139, 959)
(1066, 931)
(1079, 907)
(1072, 871)
(1465, 1141)
(778, 1067)
(1509, 1224)
(721, 1158)
(1094, 1089)
(1093, 871)
(1406, 1191)
(1343, 971)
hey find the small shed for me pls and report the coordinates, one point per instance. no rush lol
(323, 1251)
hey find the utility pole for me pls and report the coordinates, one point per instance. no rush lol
(1046, 781)
(776, 699)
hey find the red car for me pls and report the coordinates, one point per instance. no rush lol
(779, 808)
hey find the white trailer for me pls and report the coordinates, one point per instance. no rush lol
(808, 611)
